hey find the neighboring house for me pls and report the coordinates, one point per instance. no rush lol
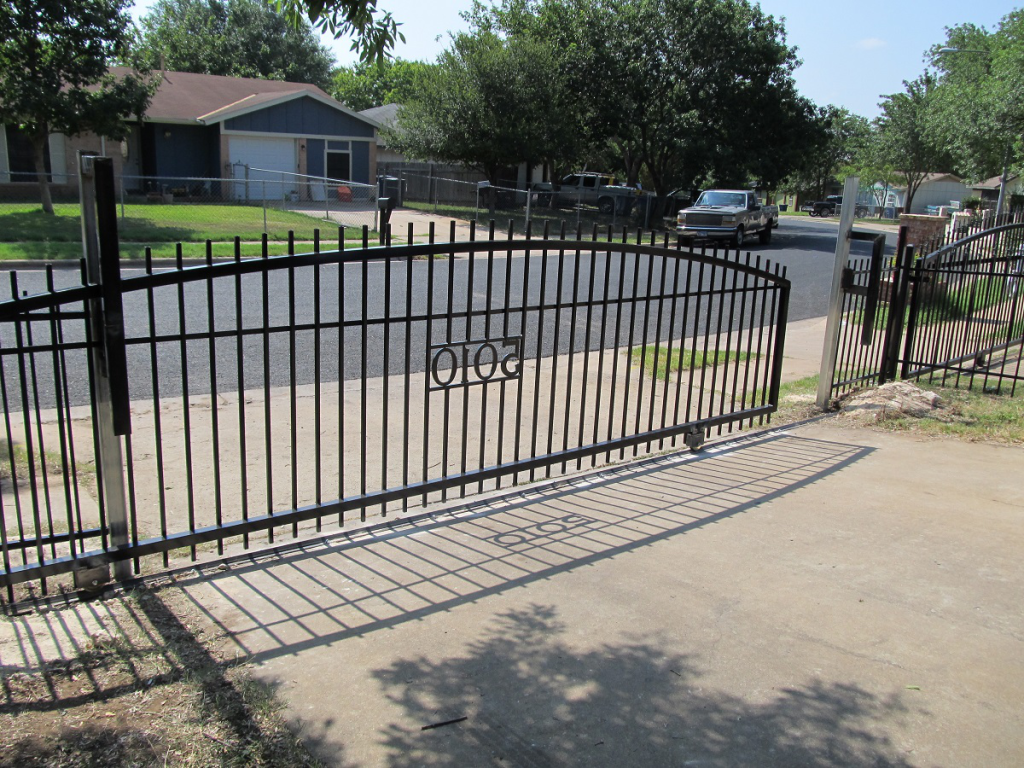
(936, 190)
(386, 117)
(880, 195)
(210, 127)
(988, 190)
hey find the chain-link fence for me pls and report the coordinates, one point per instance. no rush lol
(541, 206)
(159, 212)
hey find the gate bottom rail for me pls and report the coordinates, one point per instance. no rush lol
(158, 545)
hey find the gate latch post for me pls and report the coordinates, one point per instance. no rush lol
(109, 387)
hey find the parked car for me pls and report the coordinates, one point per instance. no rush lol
(728, 213)
(587, 188)
(830, 205)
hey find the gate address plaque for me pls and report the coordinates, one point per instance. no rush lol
(480, 361)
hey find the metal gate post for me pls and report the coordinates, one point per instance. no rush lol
(897, 308)
(831, 347)
(913, 275)
(101, 254)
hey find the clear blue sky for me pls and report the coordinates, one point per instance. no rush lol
(852, 52)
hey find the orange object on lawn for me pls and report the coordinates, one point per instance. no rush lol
(344, 194)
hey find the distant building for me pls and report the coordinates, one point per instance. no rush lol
(211, 127)
(988, 190)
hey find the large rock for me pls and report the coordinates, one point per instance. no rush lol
(892, 399)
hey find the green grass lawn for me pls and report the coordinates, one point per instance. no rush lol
(27, 233)
(876, 220)
(863, 220)
(681, 359)
(47, 251)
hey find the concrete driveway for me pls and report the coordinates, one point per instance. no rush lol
(817, 596)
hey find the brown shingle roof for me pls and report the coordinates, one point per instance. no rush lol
(189, 96)
(994, 182)
(930, 177)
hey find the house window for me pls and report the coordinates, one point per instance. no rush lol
(338, 165)
(19, 155)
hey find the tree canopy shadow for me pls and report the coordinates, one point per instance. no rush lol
(36, 227)
(530, 699)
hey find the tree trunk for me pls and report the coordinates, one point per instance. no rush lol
(39, 140)
(911, 191)
(633, 165)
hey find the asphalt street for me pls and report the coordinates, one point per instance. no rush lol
(286, 298)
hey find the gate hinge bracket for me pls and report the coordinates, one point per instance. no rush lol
(847, 279)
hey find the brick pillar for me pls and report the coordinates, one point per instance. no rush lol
(923, 231)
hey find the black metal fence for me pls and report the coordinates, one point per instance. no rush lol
(966, 318)
(255, 400)
(951, 312)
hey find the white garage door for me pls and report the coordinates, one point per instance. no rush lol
(274, 158)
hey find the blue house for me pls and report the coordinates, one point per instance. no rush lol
(212, 127)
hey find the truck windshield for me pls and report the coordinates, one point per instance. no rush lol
(737, 199)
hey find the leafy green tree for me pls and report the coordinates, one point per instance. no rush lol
(978, 112)
(904, 142)
(490, 103)
(238, 38)
(872, 165)
(373, 32)
(373, 84)
(53, 73)
(686, 89)
(842, 139)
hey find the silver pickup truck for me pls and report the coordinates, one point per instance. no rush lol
(597, 189)
(731, 214)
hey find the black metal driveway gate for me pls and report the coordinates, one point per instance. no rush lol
(255, 399)
(950, 311)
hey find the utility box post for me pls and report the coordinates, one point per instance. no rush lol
(835, 308)
(109, 385)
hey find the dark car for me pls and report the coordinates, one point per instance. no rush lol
(828, 206)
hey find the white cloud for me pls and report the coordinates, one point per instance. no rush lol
(870, 43)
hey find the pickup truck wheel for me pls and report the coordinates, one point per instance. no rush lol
(606, 206)
(765, 235)
(738, 237)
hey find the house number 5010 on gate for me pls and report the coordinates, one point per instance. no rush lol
(464, 363)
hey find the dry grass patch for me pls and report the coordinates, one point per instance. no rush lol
(149, 690)
(974, 415)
